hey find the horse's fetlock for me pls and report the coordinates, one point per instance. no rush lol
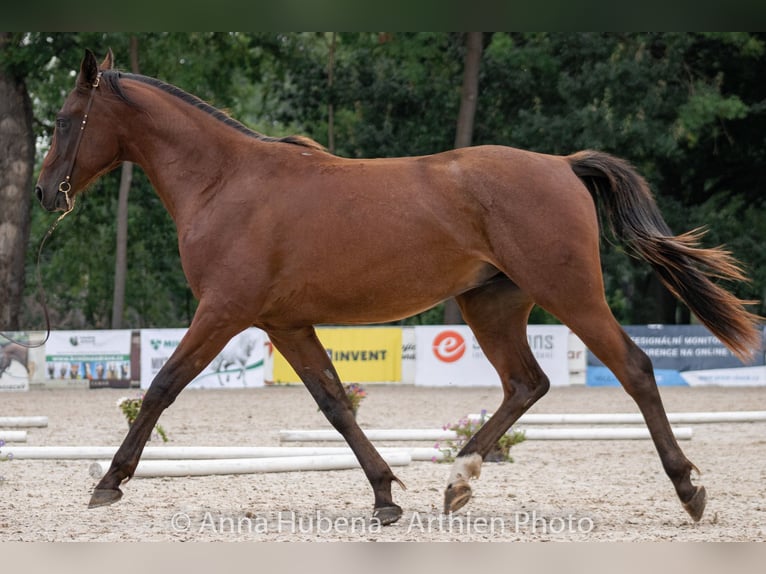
(466, 467)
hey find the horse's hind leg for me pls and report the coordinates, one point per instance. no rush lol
(590, 318)
(207, 335)
(497, 313)
(308, 357)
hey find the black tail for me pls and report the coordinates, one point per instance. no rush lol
(686, 269)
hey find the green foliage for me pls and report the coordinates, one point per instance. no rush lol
(466, 427)
(704, 109)
(130, 408)
(391, 92)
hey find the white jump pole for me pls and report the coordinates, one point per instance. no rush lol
(13, 435)
(328, 435)
(23, 422)
(602, 433)
(157, 468)
(635, 418)
(202, 452)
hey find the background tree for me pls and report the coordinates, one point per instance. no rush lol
(17, 152)
(27, 62)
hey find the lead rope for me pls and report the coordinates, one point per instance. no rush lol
(40, 286)
(64, 187)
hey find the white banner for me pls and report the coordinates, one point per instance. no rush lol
(96, 358)
(239, 365)
(450, 355)
(408, 355)
(741, 377)
(14, 363)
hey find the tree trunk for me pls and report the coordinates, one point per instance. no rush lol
(121, 251)
(465, 119)
(469, 94)
(17, 158)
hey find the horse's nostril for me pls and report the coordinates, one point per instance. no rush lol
(39, 193)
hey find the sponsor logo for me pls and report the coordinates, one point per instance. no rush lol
(449, 346)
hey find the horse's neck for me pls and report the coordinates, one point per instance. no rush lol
(183, 152)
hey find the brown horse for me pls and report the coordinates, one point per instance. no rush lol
(280, 234)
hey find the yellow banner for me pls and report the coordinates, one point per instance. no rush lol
(360, 355)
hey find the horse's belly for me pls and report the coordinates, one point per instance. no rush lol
(382, 296)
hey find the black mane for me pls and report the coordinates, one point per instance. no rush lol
(113, 77)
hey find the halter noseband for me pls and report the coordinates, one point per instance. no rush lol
(65, 186)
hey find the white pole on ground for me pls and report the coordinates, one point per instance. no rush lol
(13, 435)
(602, 433)
(156, 468)
(23, 422)
(719, 417)
(635, 418)
(202, 452)
(329, 435)
(599, 433)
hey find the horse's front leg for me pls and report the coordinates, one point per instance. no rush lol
(209, 332)
(308, 357)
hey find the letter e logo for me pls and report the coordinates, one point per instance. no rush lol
(449, 346)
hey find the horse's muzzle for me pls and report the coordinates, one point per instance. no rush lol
(57, 203)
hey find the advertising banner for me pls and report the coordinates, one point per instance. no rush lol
(408, 355)
(93, 359)
(578, 360)
(16, 362)
(684, 355)
(360, 355)
(239, 365)
(450, 355)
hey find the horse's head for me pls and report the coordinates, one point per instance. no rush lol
(84, 144)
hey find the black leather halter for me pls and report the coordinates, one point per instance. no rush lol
(65, 186)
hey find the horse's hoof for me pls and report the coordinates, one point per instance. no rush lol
(456, 495)
(104, 497)
(387, 514)
(696, 506)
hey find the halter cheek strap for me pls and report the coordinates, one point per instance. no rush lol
(65, 186)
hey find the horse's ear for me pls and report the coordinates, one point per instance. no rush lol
(88, 70)
(108, 62)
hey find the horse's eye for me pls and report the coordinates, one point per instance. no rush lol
(62, 123)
